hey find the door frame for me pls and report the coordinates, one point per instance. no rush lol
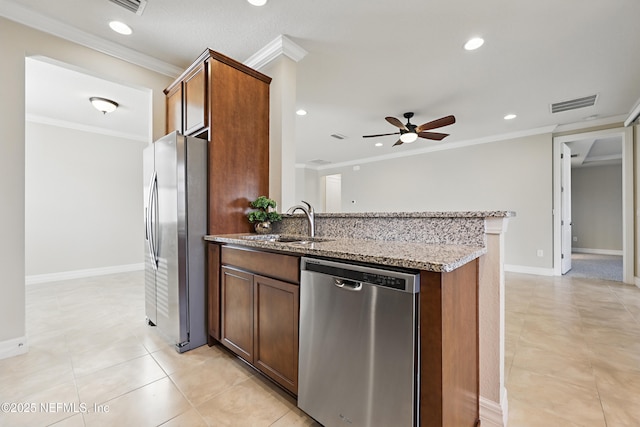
(628, 255)
(566, 222)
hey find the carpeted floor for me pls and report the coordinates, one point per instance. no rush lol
(606, 267)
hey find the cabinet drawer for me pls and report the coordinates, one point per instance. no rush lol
(279, 266)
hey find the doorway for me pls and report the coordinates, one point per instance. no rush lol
(332, 193)
(83, 209)
(601, 213)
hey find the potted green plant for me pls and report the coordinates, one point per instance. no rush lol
(264, 215)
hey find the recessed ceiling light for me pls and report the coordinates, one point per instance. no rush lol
(258, 2)
(301, 112)
(120, 28)
(379, 144)
(510, 117)
(474, 43)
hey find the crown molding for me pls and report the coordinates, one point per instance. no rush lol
(22, 15)
(450, 146)
(570, 127)
(33, 118)
(281, 45)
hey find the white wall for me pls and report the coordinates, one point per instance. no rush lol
(25, 41)
(83, 200)
(308, 188)
(512, 175)
(596, 207)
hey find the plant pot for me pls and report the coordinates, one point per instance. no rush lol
(263, 227)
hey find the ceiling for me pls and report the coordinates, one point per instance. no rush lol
(367, 60)
(596, 151)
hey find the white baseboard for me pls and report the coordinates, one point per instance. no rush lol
(528, 270)
(597, 251)
(78, 274)
(493, 414)
(13, 347)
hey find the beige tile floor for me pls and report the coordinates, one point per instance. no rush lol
(572, 359)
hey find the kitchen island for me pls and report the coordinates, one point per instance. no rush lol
(445, 248)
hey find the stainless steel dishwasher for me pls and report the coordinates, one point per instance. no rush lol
(358, 358)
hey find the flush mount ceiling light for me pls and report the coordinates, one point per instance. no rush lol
(104, 105)
(510, 117)
(120, 28)
(301, 112)
(257, 2)
(379, 144)
(474, 43)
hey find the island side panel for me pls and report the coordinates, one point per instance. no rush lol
(449, 347)
(213, 291)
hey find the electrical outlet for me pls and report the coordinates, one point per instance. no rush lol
(575, 238)
(540, 253)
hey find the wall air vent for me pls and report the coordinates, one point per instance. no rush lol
(135, 6)
(574, 104)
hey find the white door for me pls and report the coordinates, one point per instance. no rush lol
(333, 193)
(565, 222)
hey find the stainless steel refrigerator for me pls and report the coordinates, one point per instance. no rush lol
(175, 212)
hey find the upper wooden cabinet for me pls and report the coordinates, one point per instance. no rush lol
(194, 97)
(174, 109)
(227, 103)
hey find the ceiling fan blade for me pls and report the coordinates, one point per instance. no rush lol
(433, 135)
(397, 123)
(382, 134)
(443, 121)
(398, 142)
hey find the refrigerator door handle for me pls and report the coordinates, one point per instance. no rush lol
(149, 220)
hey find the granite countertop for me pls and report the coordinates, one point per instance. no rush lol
(433, 214)
(413, 255)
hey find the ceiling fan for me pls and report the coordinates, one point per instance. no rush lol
(410, 132)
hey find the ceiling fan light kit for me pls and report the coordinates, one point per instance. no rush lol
(408, 137)
(410, 132)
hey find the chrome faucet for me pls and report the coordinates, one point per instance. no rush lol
(308, 211)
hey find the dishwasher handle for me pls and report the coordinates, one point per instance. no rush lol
(348, 285)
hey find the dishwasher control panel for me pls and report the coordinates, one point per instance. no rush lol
(402, 281)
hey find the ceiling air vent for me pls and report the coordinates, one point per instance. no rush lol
(574, 104)
(135, 6)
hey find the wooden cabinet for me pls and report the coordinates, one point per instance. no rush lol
(195, 100)
(174, 109)
(275, 333)
(449, 371)
(213, 292)
(257, 315)
(237, 320)
(227, 103)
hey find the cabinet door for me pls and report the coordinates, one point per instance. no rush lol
(174, 109)
(276, 330)
(195, 100)
(236, 307)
